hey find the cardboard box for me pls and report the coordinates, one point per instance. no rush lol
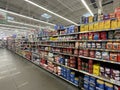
(118, 24)
(101, 25)
(86, 28)
(91, 27)
(95, 26)
(114, 24)
(107, 24)
(82, 29)
(90, 19)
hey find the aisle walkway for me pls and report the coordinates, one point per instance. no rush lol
(18, 74)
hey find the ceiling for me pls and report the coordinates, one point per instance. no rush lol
(70, 9)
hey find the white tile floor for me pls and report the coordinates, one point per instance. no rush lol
(17, 73)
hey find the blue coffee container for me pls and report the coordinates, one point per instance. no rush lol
(100, 84)
(86, 78)
(76, 81)
(108, 86)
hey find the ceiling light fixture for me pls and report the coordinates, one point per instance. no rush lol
(28, 1)
(12, 26)
(35, 26)
(20, 15)
(85, 4)
(21, 23)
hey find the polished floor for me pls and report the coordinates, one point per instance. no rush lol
(17, 73)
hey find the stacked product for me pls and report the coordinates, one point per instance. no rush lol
(91, 83)
(69, 75)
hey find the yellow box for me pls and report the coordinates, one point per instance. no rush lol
(82, 28)
(95, 26)
(114, 24)
(91, 27)
(96, 69)
(90, 19)
(107, 24)
(51, 38)
(118, 24)
(101, 25)
(86, 28)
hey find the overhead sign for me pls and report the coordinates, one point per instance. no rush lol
(3, 17)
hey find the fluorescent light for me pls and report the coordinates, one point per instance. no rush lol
(24, 24)
(45, 15)
(20, 15)
(50, 11)
(21, 23)
(12, 26)
(85, 4)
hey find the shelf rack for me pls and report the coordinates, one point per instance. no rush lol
(47, 70)
(108, 61)
(102, 78)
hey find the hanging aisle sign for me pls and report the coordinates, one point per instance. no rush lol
(3, 17)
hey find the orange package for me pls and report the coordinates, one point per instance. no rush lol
(115, 45)
(109, 45)
(113, 56)
(117, 13)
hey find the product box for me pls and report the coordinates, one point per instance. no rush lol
(106, 16)
(117, 12)
(112, 16)
(107, 72)
(91, 35)
(102, 71)
(91, 27)
(82, 28)
(118, 24)
(86, 20)
(115, 75)
(117, 34)
(86, 28)
(101, 25)
(116, 46)
(113, 56)
(97, 36)
(96, 69)
(114, 24)
(96, 26)
(103, 35)
(109, 45)
(105, 55)
(82, 20)
(107, 24)
(98, 45)
(92, 54)
(110, 34)
(76, 29)
(90, 19)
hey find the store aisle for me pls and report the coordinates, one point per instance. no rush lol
(18, 74)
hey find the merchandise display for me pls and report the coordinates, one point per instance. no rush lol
(87, 56)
